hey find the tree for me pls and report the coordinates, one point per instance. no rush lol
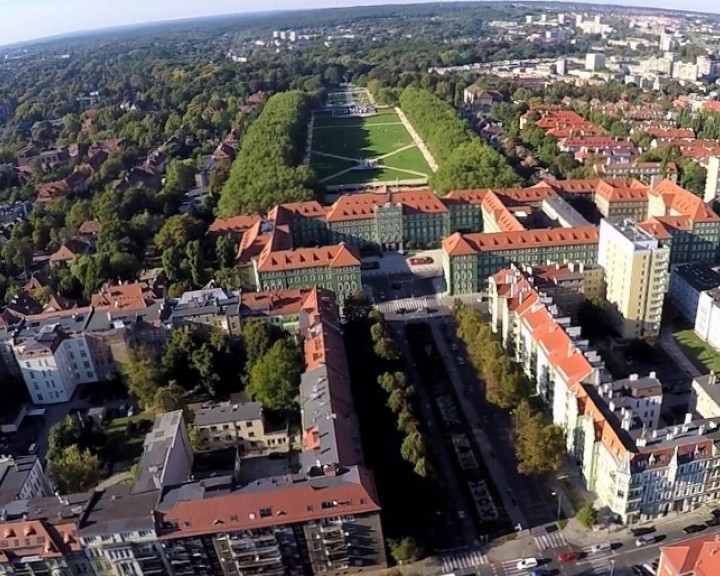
(195, 262)
(390, 381)
(178, 230)
(474, 165)
(406, 550)
(356, 307)
(61, 435)
(540, 444)
(275, 377)
(258, 337)
(18, 253)
(400, 398)
(225, 250)
(406, 421)
(169, 398)
(74, 470)
(268, 169)
(142, 374)
(587, 515)
(413, 447)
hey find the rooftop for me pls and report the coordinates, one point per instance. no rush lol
(699, 275)
(228, 414)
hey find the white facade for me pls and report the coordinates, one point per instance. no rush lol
(707, 321)
(687, 282)
(594, 62)
(53, 364)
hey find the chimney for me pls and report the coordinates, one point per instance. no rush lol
(688, 418)
(712, 379)
(701, 430)
(653, 374)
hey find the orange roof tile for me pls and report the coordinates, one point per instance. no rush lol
(234, 225)
(325, 256)
(483, 242)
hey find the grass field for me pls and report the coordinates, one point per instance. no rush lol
(704, 356)
(349, 140)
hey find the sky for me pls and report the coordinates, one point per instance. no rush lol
(22, 20)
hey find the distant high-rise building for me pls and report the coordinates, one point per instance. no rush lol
(283, 35)
(706, 66)
(561, 67)
(292, 36)
(528, 19)
(594, 62)
(667, 42)
(276, 34)
(561, 19)
(636, 276)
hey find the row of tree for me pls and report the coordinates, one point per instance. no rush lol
(540, 444)
(268, 168)
(464, 160)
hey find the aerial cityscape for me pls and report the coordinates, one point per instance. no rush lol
(406, 290)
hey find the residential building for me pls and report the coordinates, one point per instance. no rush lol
(705, 396)
(293, 524)
(594, 62)
(167, 454)
(53, 363)
(569, 285)
(636, 468)
(636, 277)
(469, 259)
(243, 426)
(698, 556)
(22, 478)
(687, 282)
(707, 321)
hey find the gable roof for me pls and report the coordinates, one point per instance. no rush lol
(333, 256)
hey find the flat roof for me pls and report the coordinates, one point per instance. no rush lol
(699, 275)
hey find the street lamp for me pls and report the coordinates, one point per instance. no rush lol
(612, 567)
(558, 495)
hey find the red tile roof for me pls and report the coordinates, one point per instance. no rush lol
(134, 296)
(326, 256)
(698, 556)
(236, 225)
(472, 243)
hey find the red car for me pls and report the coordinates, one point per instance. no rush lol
(568, 557)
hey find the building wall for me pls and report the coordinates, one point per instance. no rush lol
(684, 296)
(707, 321)
(249, 435)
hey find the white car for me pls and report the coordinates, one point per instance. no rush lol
(604, 547)
(527, 563)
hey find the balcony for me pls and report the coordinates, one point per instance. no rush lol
(258, 561)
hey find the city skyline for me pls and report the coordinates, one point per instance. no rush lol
(48, 18)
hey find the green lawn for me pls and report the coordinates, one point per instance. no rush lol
(361, 138)
(704, 356)
(123, 448)
(366, 176)
(410, 159)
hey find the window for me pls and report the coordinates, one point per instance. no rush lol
(251, 434)
(265, 512)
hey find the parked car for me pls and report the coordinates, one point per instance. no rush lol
(604, 547)
(694, 528)
(527, 563)
(637, 532)
(568, 557)
(644, 540)
(713, 521)
(32, 449)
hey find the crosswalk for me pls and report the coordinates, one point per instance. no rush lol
(551, 540)
(409, 305)
(599, 562)
(462, 559)
(509, 568)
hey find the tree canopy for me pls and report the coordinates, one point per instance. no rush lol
(275, 377)
(267, 170)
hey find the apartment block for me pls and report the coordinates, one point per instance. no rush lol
(707, 321)
(705, 396)
(638, 467)
(22, 478)
(636, 277)
(243, 426)
(687, 282)
(470, 259)
(321, 517)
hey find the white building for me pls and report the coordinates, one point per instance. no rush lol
(685, 71)
(707, 321)
(687, 282)
(705, 65)
(594, 62)
(712, 180)
(561, 67)
(53, 363)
